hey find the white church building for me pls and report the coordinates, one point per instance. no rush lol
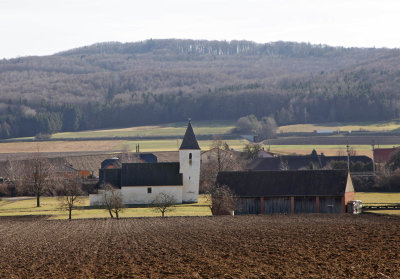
(141, 183)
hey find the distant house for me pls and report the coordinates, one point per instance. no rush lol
(112, 163)
(312, 191)
(383, 155)
(143, 180)
(69, 172)
(297, 162)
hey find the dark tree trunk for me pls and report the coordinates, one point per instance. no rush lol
(116, 214)
(70, 213)
(109, 211)
(37, 200)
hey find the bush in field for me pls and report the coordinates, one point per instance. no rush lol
(163, 203)
(112, 199)
(221, 200)
(70, 192)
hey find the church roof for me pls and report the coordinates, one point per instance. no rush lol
(189, 140)
(150, 174)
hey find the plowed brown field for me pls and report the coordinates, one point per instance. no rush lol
(300, 246)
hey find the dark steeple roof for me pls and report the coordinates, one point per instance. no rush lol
(189, 140)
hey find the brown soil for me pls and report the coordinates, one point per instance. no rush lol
(301, 246)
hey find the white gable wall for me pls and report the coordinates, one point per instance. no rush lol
(190, 169)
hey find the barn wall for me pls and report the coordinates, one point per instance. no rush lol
(330, 204)
(277, 205)
(305, 205)
(247, 206)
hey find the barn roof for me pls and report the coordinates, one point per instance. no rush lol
(148, 158)
(382, 155)
(189, 140)
(285, 183)
(295, 162)
(150, 174)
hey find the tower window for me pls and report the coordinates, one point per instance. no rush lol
(149, 190)
(190, 156)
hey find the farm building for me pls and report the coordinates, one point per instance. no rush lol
(383, 155)
(308, 191)
(143, 181)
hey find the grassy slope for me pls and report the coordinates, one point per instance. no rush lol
(224, 127)
(172, 129)
(52, 206)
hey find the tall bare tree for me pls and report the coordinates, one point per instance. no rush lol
(13, 173)
(221, 158)
(38, 176)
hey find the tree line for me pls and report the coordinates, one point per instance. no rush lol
(158, 81)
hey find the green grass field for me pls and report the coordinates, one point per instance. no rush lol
(172, 129)
(52, 206)
(385, 126)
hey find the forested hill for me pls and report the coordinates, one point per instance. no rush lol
(155, 81)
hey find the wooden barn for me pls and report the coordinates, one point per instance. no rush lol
(307, 191)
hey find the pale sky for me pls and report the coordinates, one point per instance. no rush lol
(42, 27)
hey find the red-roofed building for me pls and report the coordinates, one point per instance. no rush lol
(382, 155)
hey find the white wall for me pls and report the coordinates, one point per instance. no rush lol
(97, 199)
(190, 170)
(139, 195)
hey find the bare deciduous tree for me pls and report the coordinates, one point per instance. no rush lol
(163, 203)
(112, 199)
(38, 176)
(71, 190)
(221, 158)
(13, 173)
(251, 150)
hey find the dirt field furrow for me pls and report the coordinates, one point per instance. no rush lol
(299, 246)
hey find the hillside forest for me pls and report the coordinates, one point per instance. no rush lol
(110, 85)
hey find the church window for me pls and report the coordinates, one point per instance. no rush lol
(190, 158)
(148, 190)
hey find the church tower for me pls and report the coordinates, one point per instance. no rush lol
(189, 159)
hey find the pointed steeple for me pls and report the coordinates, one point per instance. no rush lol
(189, 140)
